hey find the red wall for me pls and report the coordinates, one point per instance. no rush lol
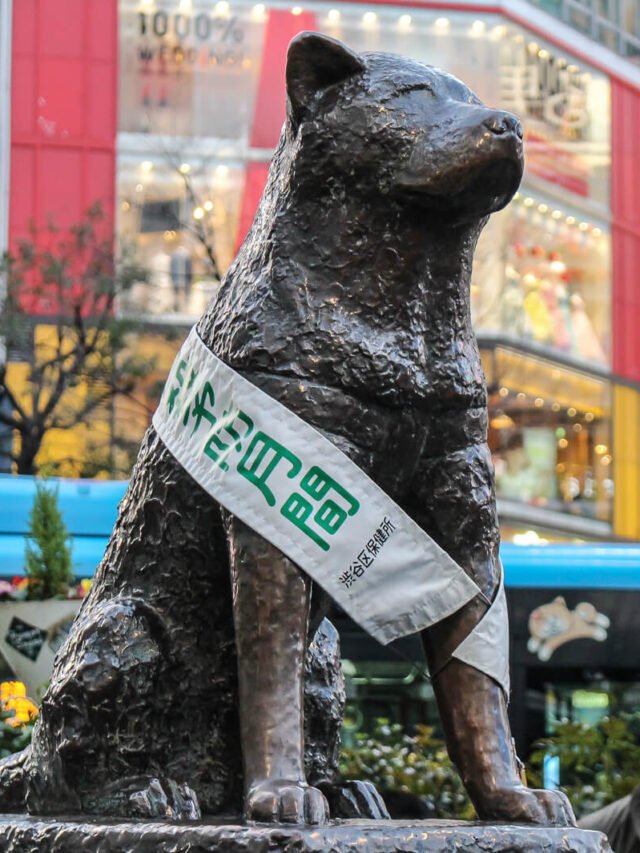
(64, 110)
(625, 204)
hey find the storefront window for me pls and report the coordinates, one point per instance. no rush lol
(542, 277)
(193, 72)
(565, 109)
(189, 69)
(550, 435)
(588, 702)
(184, 218)
(192, 69)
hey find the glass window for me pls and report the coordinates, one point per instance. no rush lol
(542, 277)
(550, 435)
(632, 51)
(189, 69)
(580, 20)
(631, 16)
(607, 9)
(608, 36)
(588, 701)
(566, 115)
(183, 219)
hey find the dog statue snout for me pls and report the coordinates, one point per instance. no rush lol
(501, 122)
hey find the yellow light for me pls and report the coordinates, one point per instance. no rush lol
(522, 396)
(528, 202)
(185, 5)
(606, 460)
(184, 168)
(563, 443)
(404, 22)
(258, 11)
(584, 226)
(573, 69)
(498, 32)
(600, 449)
(519, 38)
(125, 205)
(539, 402)
(333, 16)
(297, 10)
(222, 7)
(222, 171)
(478, 27)
(441, 25)
(570, 220)
(597, 232)
(532, 47)
(139, 188)
(504, 392)
(146, 165)
(543, 54)
(589, 416)
(557, 214)
(543, 208)
(198, 213)
(555, 407)
(577, 427)
(208, 205)
(571, 412)
(369, 19)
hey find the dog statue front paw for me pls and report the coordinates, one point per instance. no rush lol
(285, 801)
(519, 804)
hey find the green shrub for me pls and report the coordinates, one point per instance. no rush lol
(419, 764)
(598, 763)
(47, 554)
(13, 738)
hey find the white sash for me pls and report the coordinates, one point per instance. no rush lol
(296, 489)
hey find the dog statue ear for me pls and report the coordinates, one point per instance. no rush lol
(314, 62)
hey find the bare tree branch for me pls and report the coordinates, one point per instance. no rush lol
(81, 273)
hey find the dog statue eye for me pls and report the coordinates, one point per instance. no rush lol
(414, 87)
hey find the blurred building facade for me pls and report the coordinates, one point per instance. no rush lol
(167, 111)
(613, 23)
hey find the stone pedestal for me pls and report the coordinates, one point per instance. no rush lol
(22, 834)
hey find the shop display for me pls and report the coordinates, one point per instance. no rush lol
(175, 226)
(551, 455)
(195, 70)
(189, 71)
(551, 285)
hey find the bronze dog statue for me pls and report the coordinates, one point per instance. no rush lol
(349, 303)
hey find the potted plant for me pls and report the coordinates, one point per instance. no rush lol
(38, 609)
